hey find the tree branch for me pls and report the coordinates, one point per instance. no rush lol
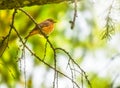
(12, 4)
(37, 57)
(42, 60)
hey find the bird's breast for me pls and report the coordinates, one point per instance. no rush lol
(47, 30)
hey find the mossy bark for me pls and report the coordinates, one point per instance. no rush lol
(11, 4)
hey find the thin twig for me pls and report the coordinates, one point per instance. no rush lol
(37, 57)
(7, 37)
(86, 77)
(23, 52)
(82, 79)
(72, 73)
(45, 38)
(24, 68)
(32, 19)
(75, 15)
(45, 51)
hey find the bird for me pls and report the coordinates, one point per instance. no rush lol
(46, 27)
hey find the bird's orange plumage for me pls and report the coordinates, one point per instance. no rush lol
(46, 26)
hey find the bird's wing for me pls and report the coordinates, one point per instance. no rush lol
(44, 24)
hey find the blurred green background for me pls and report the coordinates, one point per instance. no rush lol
(100, 59)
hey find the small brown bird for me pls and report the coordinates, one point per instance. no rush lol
(46, 26)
